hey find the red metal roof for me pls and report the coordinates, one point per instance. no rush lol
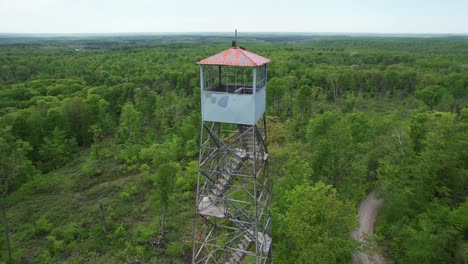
(235, 56)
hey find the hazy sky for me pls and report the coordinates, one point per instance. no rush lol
(98, 16)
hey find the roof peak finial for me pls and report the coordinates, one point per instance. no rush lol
(234, 42)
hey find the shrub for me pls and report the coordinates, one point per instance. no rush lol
(91, 168)
(175, 249)
(55, 246)
(42, 227)
(120, 231)
(144, 233)
(128, 192)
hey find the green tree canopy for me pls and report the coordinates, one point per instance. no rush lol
(130, 124)
(315, 227)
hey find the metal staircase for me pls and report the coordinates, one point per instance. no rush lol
(245, 152)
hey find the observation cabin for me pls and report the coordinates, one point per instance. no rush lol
(233, 84)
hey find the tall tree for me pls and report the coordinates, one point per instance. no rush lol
(457, 85)
(431, 95)
(315, 226)
(340, 146)
(56, 150)
(15, 168)
(165, 183)
(130, 124)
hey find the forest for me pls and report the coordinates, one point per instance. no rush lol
(99, 143)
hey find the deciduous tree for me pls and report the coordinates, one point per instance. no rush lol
(315, 227)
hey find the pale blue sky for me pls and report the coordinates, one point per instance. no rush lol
(365, 16)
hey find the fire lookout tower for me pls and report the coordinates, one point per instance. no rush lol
(233, 217)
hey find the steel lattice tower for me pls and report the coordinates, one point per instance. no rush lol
(233, 217)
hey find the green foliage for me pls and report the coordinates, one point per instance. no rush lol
(15, 167)
(91, 168)
(422, 190)
(175, 249)
(55, 246)
(191, 148)
(315, 227)
(165, 181)
(145, 232)
(56, 150)
(129, 154)
(188, 180)
(128, 192)
(340, 145)
(170, 150)
(130, 122)
(42, 227)
(431, 95)
(418, 130)
(120, 232)
(293, 172)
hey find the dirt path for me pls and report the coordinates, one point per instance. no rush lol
(368, 211)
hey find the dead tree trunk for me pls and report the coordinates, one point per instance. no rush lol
(163, 221)
(103, 216)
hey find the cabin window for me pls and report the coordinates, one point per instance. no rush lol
(228, 79)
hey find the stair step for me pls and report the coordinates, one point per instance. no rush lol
(236, 256)
(220, 187)
(235, 159)
(245, 242)
(223, 181)
(216, 192)
(226, 176)
(234, 167)
(241, 153)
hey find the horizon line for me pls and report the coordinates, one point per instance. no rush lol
(231, 32)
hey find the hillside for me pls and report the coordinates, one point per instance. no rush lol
(97, 134)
